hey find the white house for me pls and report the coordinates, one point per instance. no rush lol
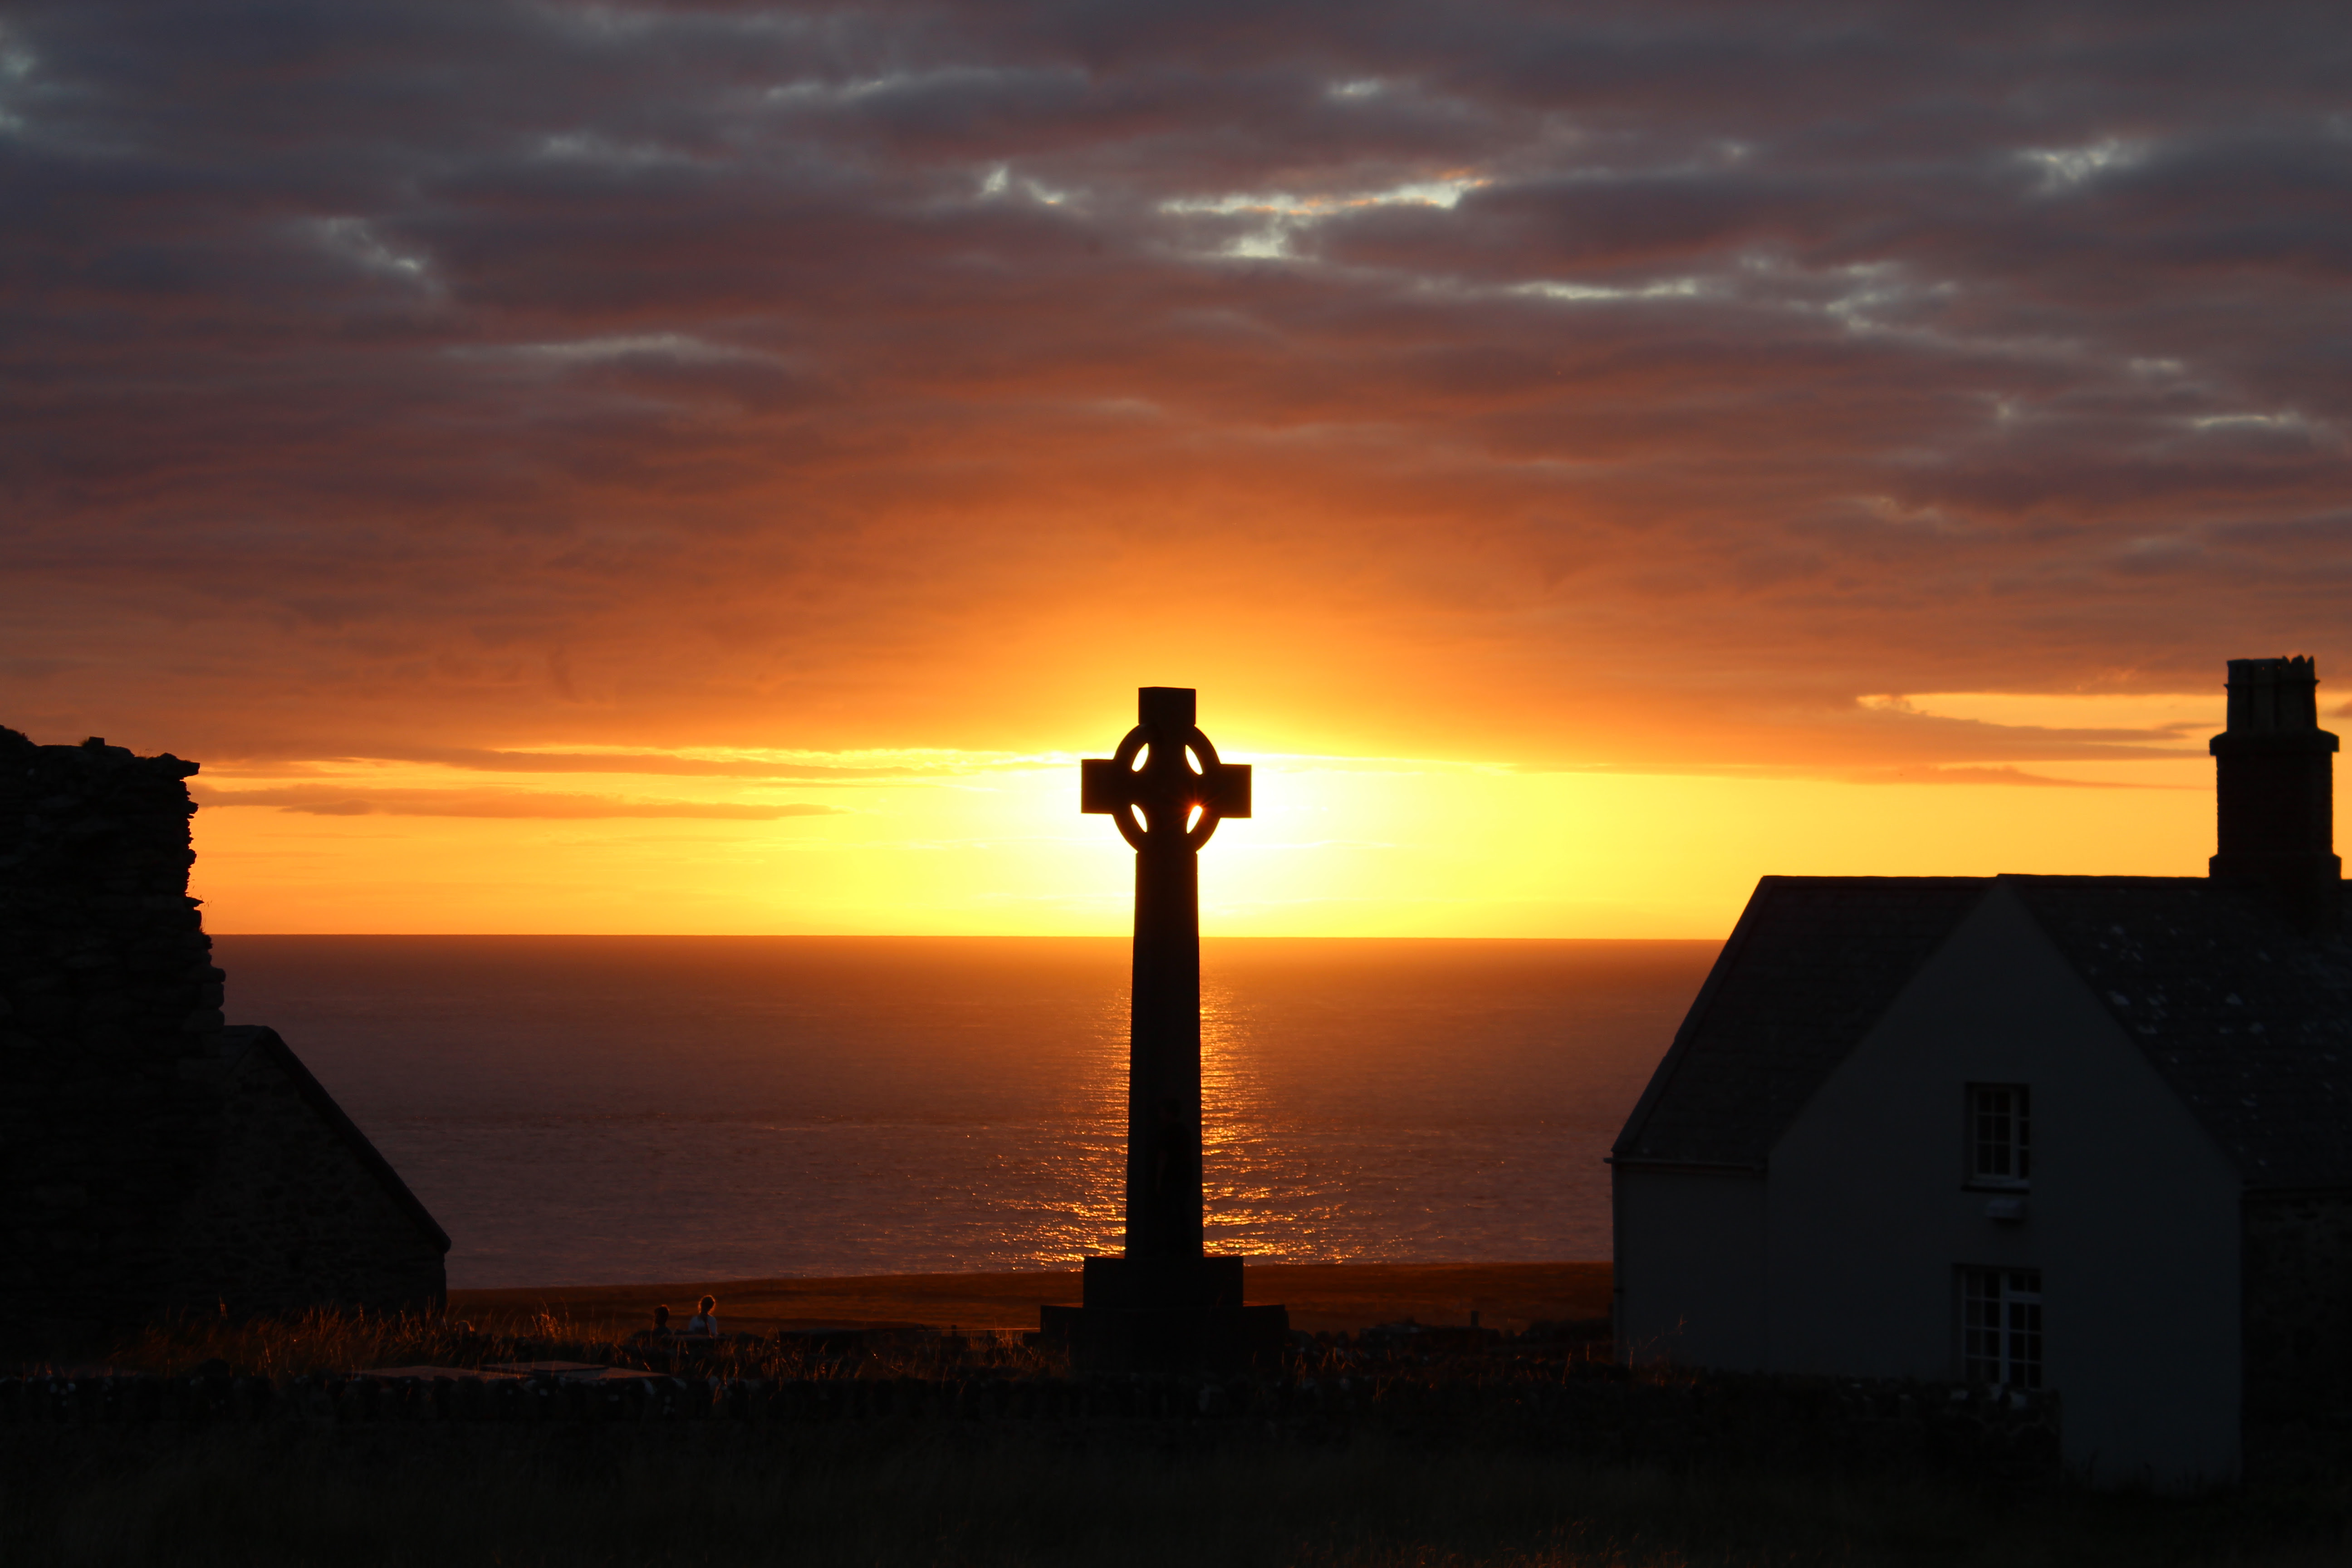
(2089, 1134)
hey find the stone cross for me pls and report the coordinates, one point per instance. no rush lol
(1165, 791)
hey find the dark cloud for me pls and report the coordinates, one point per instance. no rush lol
(479, 376)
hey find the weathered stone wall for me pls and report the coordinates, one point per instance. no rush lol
(126, 1115)
(2298, 1316)
(108, 997)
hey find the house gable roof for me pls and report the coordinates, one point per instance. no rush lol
(1812, 965)
(2247, 1020)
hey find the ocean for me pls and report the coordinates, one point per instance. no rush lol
(615, 1110)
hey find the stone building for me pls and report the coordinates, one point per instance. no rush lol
(154, 1161)
(2090, 1134)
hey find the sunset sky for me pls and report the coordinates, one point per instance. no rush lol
(716, 468)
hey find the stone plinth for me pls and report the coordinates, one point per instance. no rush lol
(1166, 1315)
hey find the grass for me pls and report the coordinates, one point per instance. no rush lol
(324, 1341)
(341, 1342)
(388, 1495)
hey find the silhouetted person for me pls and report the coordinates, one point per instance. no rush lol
(705, 1318)
(661, 1321)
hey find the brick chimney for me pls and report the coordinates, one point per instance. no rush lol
(2273, 784)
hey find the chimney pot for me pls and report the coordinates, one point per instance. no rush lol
(2274, 696)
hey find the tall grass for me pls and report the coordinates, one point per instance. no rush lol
(332, 1340)
(315, 1342)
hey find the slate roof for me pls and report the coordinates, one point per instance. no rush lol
(1812, 964)
(2250, 1021)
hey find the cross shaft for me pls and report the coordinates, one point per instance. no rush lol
(1167, 791)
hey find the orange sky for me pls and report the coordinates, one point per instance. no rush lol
(580, 468)
(968, 842)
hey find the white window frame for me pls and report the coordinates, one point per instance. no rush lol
(2001, 1327)
(1999, 1133)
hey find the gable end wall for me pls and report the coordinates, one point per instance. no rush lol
(2132, 1218)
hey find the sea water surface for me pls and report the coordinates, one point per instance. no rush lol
(610, 1110)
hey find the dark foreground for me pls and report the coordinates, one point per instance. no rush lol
(866, 1496)
(874, 1448)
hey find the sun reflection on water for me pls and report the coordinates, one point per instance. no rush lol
(1258, 1189)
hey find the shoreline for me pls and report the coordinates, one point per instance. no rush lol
(1333, 1297)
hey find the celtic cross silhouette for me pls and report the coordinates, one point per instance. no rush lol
(1165, 786)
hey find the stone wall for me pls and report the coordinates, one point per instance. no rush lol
(126, 1114)
(2298, 1311)
(108, 997)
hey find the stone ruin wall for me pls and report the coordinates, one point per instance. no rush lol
(149, 1161)
(108, 994)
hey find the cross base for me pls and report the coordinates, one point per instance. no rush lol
(1173, 1314)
